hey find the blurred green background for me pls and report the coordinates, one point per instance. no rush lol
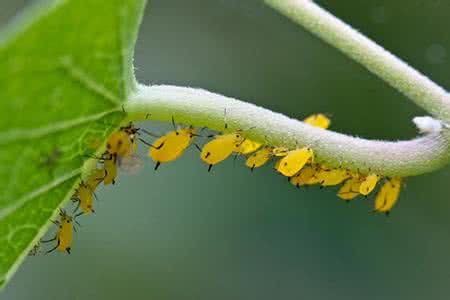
(184, 233)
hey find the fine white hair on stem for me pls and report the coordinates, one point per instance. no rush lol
(200, 108)
(400, 158)
(416, 86)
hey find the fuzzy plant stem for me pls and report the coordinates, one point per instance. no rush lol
(417, 87)
(202, 108)
(401, 158)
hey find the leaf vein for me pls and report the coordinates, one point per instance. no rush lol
(37, 192)
(17, 134)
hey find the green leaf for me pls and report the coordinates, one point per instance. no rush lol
(65, 69)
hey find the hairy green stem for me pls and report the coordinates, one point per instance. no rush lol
(202, 108)
(382, 63)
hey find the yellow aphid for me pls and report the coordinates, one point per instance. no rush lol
(350, 189)
(220, 148)
(304, 177)
(318, 120)
(248, 146)
(259, 158)
(110, 167)
(369, 183)
(85, 198)
(330, 177)
(95, 178)
(280, 151)
(294, 161)
(388, 195)
(64, 235)
(123, 141)
(171, 145)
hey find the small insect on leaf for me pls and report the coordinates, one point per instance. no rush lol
(350, 189)
(259, 158)
(369, 183)
(318, 120)
(388, 195)
(123, 141)
(294, 161)
(85, 192)
(110, 167)
(64, 235)
(95, 178)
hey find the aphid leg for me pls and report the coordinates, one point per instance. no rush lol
(150, 133)
(150, 145)
(123, 109)
(147, 115)
(68, 250)
(77, 207)
(75, 220)
(157, 165)
(198, 147)
(209, 168)
(53, 249)
(252, 168)
(173, 124)
(50, 240)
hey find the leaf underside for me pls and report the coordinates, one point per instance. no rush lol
(66, 67)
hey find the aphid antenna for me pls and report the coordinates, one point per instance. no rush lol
(48, 241)
(150, 145)
(75, 219)
(198, 147)
(150, 133)
(174, 124)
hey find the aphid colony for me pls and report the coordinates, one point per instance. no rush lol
(298, 165)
